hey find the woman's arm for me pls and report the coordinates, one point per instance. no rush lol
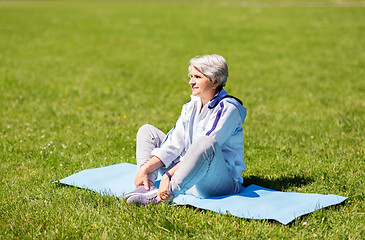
(142, 174)
(164, 189)
(174, 143)
(173, 170)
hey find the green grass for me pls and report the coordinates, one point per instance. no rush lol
(77, 80)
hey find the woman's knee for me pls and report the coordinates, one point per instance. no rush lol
(203, 146)
(205, 142)
(144, 130)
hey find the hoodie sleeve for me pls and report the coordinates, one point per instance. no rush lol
(174, 143)
(228, 122)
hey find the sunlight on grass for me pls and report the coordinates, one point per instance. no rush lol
(77, 80)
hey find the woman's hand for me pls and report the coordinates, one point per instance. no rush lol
(142, 174)
(164, 189)
(142, 178)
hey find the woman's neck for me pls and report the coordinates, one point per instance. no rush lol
(207, 100)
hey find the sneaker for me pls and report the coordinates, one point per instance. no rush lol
(140, 189)
(144, 198)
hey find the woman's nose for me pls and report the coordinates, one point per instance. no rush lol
(192, 81)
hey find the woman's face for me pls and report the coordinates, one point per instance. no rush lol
(201, 85)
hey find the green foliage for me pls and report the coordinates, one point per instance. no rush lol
(77, 80)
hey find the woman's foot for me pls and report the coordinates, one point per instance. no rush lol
(140, 189)
(143, 197)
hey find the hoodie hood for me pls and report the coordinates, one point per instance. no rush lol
(224, 95)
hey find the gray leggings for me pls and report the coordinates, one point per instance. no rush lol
(202, 173)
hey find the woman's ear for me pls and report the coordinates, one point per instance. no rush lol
(216, 84)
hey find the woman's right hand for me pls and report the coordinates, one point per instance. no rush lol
(142, 174)
(142, 178)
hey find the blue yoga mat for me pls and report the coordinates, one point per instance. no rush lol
(253, 202)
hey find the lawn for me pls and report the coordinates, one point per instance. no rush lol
(77, 80)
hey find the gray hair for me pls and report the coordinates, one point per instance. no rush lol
(213, 66)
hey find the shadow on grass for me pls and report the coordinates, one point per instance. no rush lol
(280, 184)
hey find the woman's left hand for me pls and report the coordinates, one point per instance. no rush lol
(164, 189)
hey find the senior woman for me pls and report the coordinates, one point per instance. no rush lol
(203, 154)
